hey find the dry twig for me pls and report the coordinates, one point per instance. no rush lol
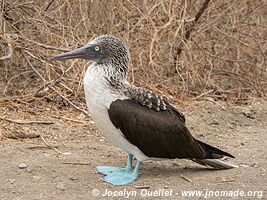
(186, 178)
(22, 135)
(10, 52)
(27, 122)
(43, 79)
(76, 163)
(49, 146)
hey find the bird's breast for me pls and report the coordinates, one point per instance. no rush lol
(97, 92)
(99, 96)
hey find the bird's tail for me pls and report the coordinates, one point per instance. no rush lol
(215, 163)
(216, 157)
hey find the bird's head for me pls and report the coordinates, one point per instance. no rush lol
(105, 49)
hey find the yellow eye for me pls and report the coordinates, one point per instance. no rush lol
(97, 48)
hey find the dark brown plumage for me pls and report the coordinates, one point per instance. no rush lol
(160, 134)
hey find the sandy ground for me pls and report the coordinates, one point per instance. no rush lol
(62, 164)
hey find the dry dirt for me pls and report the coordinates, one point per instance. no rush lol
(62, 164)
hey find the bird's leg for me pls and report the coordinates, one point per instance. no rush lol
(106, 170)
(129, 165)
(123, 178)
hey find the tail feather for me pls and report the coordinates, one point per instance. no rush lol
(215, 153)
(216, 163)
(214, 157)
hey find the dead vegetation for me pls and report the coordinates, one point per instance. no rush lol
(191, 48)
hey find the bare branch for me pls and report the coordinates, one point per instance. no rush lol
(10, 52)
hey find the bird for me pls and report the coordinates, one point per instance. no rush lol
(137, 120)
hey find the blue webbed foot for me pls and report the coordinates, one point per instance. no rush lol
(121, 178)
(107, 170)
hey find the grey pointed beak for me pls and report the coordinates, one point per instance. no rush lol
(86, 52)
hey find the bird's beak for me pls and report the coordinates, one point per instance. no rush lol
(83, 52)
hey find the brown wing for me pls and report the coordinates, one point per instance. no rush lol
(160, 134)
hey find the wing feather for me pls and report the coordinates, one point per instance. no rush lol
(160, 134)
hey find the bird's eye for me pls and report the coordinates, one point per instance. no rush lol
(97, 48)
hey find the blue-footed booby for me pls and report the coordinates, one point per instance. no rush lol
(136, 120)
